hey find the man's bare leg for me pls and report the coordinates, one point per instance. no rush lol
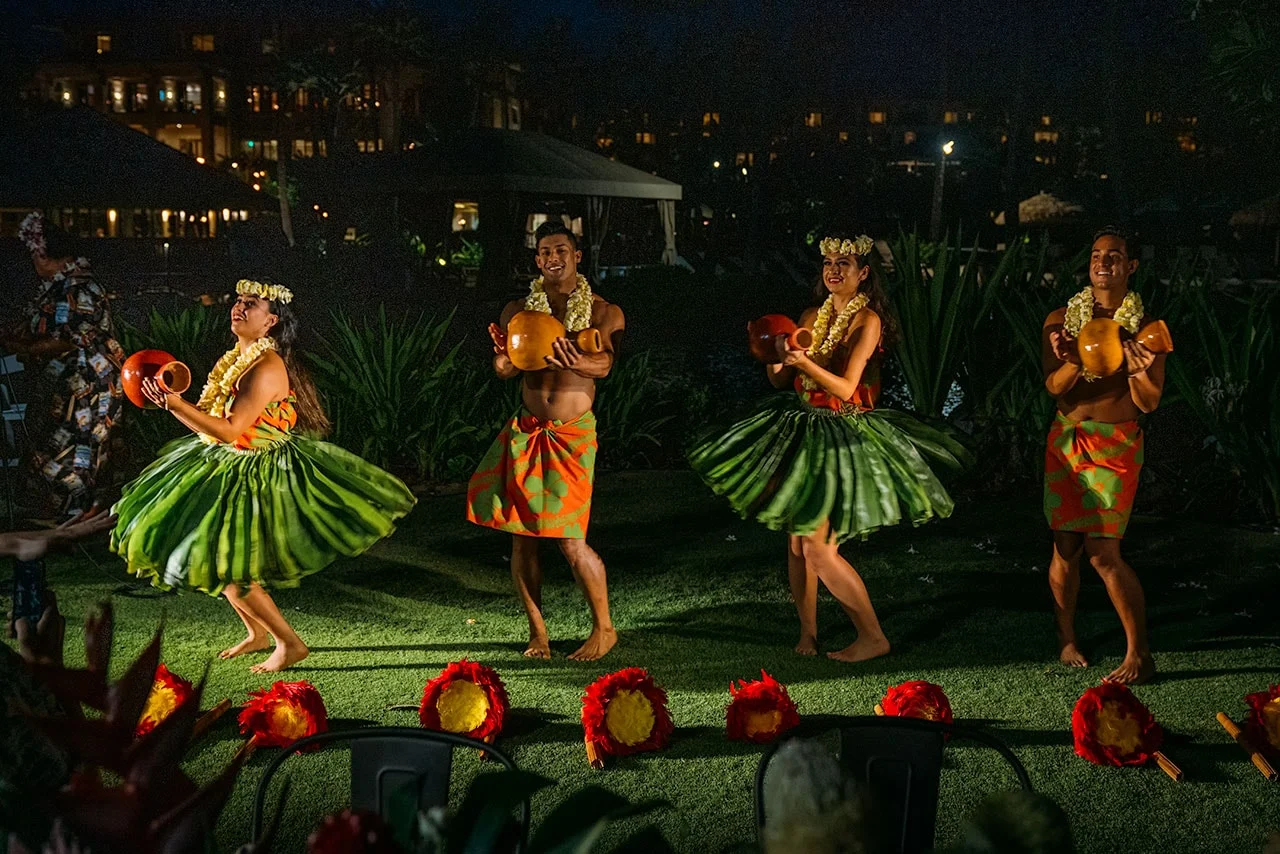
(588, 570)
(804, 592)
(289, 647)
(526, 572)
(846, 585)
(1126, 595)
(256, 638)
(1064, 581)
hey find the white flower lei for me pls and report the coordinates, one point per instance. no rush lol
(1080, 312)
(577, 315)
(827, 334)
(860, 245)
(223, 378)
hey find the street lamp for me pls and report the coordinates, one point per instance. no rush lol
(935, 219)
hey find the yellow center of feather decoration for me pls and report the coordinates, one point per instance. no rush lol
(629, 717)
(1080, 312)
(1117, 729)
(160, 702)
(223, 378)
(860, 245)
(762, 722)
(275, 293)
(462, 706)
(828, 333)
(288, 720)
(1271, 722)
(577, 315)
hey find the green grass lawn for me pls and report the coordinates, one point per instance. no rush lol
(699, 598)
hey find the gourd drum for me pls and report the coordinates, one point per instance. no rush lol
(531, 333)
(763, 335)
(1100, 344)
(144, 364)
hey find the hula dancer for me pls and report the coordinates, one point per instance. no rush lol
(248, 503)
(824, 464)
(535, 481)
(1094, 453)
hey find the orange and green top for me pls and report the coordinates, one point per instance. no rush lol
(272, 426)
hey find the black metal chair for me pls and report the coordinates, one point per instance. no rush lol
(384, 760)
(900, 760)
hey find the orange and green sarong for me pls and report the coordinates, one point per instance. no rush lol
(536, 478)
(1091, 476)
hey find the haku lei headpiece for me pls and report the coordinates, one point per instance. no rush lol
(1080, 312)
(31, 232)
(577, 315)
(860, 245)
(275, 293)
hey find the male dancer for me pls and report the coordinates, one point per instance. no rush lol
(535, 481)
(1094, 453)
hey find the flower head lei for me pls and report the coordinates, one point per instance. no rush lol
(274, 293)
(577, 315)
(31, 232)
(860, 245)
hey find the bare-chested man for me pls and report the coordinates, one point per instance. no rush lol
(536, 480)
(1094, 453)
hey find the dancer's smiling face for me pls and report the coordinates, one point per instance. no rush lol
(1109, 264)
(558, 260)
(843, 274)
(251, 317)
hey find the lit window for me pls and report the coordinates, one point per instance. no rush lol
(644, 138)
(270, 46)
(219, 95)
(844, 136)
(1186, 141)
(813, 120)
(254, 99)
(741, 158)
(709, 119)
(1154, 117)
(968, 116)
(466, 216)
(104, 44)
(117, 95)
(303, 148)
(908, 137)
(1049, 136)
(168, 95)
(604, 141)
(194, 101)
(1045, 121)
(950, 117)
(301, 98)
(513, 114)
(139, 97)
(202, 43)
(876, 117)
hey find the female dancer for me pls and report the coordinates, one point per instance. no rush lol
(247, 503)
(827, 466)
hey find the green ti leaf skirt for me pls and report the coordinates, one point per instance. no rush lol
(792, 466)
(205, 516)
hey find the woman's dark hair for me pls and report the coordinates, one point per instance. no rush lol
(58, 244)
(877, 298)
(311, 416)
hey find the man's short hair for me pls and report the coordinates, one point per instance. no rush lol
(1125, 235)
(552, 228)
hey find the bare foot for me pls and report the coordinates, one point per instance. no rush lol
(252, 643)
(808, 645)
(595, 646)
(284, 656)
(1071, 655)
(862, 650)
(539, 647)
(1134, 670)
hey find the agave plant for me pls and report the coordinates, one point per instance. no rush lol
(152, 805)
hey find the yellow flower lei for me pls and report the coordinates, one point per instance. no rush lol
(860, 245)
(223, 378)
(274, 293)
(827, 334)
(577, 315)
(1080, 312)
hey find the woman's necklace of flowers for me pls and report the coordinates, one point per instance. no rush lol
(827, 334)
(1080, 312)
(577, 316)
(223, 378)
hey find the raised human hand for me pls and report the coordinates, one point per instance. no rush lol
(1137, 358)
(1063, 347)
(565, 354)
